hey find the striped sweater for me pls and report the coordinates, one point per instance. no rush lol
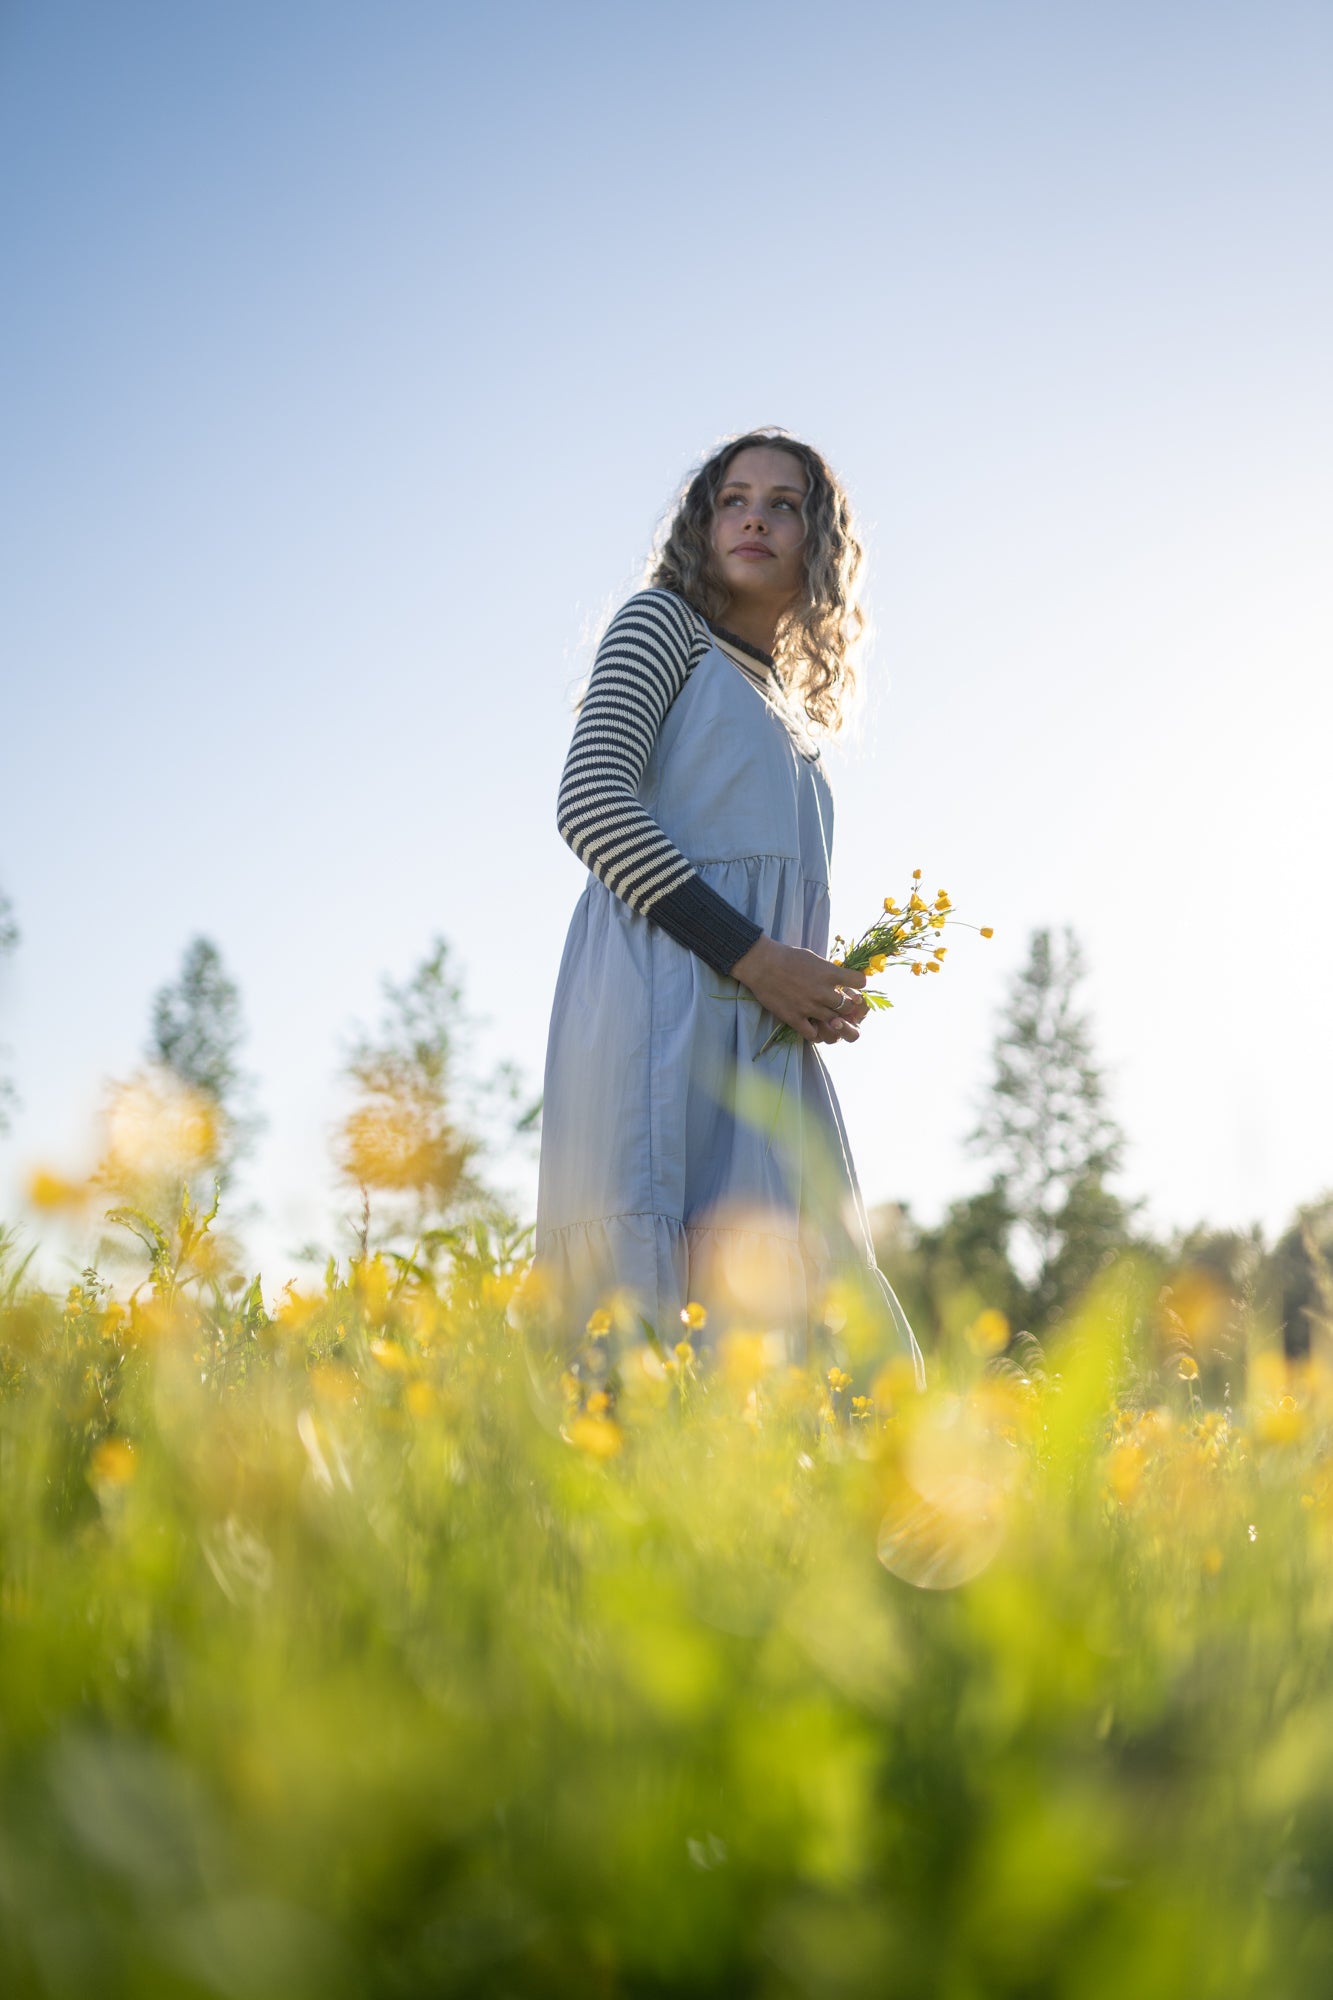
(651, 647)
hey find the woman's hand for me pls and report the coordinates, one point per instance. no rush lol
(803, 990)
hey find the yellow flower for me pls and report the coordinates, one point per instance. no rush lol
(599, 1323)
(916, 874)
(878, 962)
(931, 966)
(598, 1403)
(838, 1379)
(1284, 1425)
(390, 1356)
(745, 1361)
(421, 1399)
(988, 1333)
(1124, 1470)
(684, 1353)
(1188, 1370)
(50, 1191)
(986, 931)
(940, 951)
(599, 1437)
(890, 906)
(916, 902)
(694, 1316)
(113, 1462)
(916, 970)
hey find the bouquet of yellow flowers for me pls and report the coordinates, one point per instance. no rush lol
(903, 935)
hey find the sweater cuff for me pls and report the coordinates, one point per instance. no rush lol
(705, 923)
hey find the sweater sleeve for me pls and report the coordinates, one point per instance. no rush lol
(651, 646)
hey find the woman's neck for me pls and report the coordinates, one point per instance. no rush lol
(753, 623)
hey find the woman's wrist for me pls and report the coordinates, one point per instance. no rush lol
(752, 962)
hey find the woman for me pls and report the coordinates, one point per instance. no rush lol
(682, 1159)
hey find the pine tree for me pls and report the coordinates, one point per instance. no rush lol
(1051, 1140)
(197, 1031)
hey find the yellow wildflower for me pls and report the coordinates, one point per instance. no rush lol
(599, 1437)
(694, 1316)
(988, 1333)
(113, 1462)
(684, 1353)
(986, 931)
(878, 962)
(932, 967)
(890, 907)
(838, 1379)
(1284, 1425)
(598, 1403)
(916, 902)
(1188, 1370)
(599, 1323)
(940, 951)
(50, 1191)
(917, 969)
(1124, 1470)
(745, 1361)
(916, 874)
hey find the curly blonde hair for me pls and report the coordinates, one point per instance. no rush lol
(818, 636)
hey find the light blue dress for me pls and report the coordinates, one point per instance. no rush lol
(678, 1163)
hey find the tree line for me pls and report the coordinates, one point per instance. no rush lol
(417, 1139)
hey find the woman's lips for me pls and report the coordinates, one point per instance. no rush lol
(752, 549)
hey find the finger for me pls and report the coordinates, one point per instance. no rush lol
(849, 976)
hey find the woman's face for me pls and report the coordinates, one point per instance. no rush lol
(758, 535)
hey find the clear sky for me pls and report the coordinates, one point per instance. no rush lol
(350, 355)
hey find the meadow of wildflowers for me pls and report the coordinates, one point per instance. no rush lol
(367, 1643)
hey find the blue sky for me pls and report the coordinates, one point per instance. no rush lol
(350, 357)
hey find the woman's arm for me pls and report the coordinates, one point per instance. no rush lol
(651, 647)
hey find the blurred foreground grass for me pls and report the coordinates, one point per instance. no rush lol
(366, 1649)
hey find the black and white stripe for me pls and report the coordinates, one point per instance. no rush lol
(651, 647)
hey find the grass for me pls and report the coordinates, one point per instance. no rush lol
(369, 1648)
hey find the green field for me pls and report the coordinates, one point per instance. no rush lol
(376, 1649)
